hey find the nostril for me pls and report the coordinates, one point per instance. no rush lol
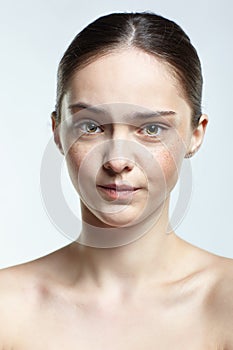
(118, 165)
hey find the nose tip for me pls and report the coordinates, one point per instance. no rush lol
(118, 165)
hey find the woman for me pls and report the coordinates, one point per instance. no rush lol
(128, 112)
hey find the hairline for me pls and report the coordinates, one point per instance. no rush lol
(172, 70)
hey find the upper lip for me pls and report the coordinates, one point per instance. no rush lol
(119, 187)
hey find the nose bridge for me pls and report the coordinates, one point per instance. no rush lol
(119, 141)
(118, 153)
(117, 149)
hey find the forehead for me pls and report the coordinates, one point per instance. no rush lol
(129, 76)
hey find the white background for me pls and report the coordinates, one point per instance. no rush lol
(34, 35)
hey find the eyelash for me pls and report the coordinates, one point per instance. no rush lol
(153, 124)
(86, 123)
(141, 129)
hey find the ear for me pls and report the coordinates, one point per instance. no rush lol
(197, 136)
(56, 132)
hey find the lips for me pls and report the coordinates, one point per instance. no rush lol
(118, 191)
(119, 187)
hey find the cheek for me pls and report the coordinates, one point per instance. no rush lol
(83, 163)
(74, 160)
(169, 169)
(78, 154)
(170, 161)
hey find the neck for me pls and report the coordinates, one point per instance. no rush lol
(151, 257)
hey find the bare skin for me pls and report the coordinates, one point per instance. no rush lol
(157, 292)
(44, 306)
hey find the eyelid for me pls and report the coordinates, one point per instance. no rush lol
(161, 127)
(83, 121)
(86, 121)
(87, 117)
(154, 123)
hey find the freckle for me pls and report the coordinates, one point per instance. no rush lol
(42, 291)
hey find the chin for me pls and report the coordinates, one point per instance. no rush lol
(117, 220)
(123, 218)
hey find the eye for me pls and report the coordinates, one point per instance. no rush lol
(90, 127)
(152, 130)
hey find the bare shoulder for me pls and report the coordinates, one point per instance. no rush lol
(223, 299)
(30, 278)
(212, 280)
(23, 288)
(222, 288)
(220, 298)
(12, 304)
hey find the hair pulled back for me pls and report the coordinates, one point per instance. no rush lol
(146, 31)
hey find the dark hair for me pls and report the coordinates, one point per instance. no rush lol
(146, 31)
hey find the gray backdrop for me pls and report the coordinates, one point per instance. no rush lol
(34, 36)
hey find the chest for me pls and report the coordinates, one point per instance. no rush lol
(143, 326)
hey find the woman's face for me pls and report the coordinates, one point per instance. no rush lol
(125, 149)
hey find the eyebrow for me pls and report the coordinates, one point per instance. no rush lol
(136, 114)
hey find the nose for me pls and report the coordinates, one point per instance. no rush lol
(118, 157)
(118, 165)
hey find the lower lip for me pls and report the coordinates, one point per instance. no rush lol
(113, 194)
